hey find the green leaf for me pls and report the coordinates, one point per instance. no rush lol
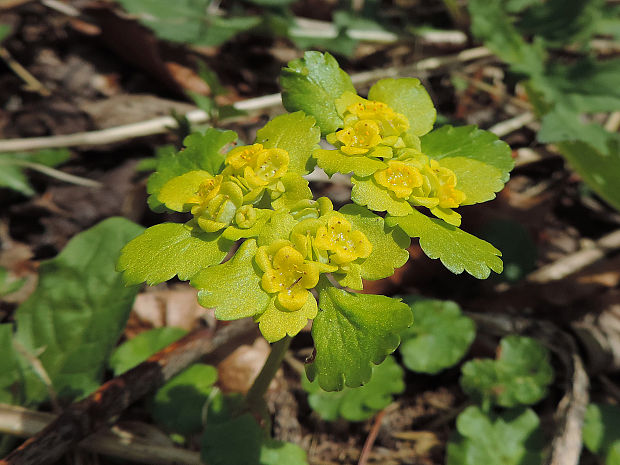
(222, 285)
(177, 404)
(368, 193)
(135, 351)
(439, 338)
(275, 323)
(591, 151)
(352, 331)
(202, 152)
(409, 97)
(519, 376)
(296, 189)
(334, 161)
(491, 24)
(232, 437)
(476, 179)
(295, 133)
(469, 142)
(511, 438)
(562, 22)
(601, 430)
(187, 21)
(279, 226)
(12, 173)
(169, 249)
(312, 84)
(389, 246)
(456, 249)
(10, 371)
(78, 311)
(358, 404)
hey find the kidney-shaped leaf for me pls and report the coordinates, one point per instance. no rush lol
(519, 376)
(439, 338)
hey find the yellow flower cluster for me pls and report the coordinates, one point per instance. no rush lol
(219, 201)
(370, 128)
(421, 181)
(317, 246)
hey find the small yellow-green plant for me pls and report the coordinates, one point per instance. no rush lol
(293, 249)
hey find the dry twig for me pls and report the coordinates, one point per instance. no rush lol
(370, 440)
(85, 417)
(115, 442)
(578, 260)
(163, 124)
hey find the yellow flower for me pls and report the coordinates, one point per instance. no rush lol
(370, 128)
(342, 242)
(389, 122)
(259, 166)
(286, 274)
(400, 178)
(215, 212)
(448, 195)
(360, 138)
(207, 190)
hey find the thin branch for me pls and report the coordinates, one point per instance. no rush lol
(115, 442)
(57, 174)
(510, 125)
(268, 102)
(31, 83)
(370, 440)
(85, 417)
(577, 261)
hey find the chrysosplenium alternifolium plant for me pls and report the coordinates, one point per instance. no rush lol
(292, 244)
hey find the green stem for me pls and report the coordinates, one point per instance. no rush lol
(255, 395)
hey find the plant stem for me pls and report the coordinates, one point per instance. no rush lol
(255, 395)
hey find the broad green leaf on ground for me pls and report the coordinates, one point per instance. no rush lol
(562, 22)
(188, 21)
(169, 249)
(591, 151)
(586, 86)
(491, 23)
(203, 151)
(601, 431)
(312, 84)
(12, 166)
(135, 351)
(519, 251)
(352, 331)
(409, 97)
(295, 133)
(456, 249)
(389, 246)
(361, 403)
(221, 285)
(10, 371)
(439, 338)
(511, 438)
(233, 437)
(520, 375)
(78, 311)
(472, 143)
(177, 405)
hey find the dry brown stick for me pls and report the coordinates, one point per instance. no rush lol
(83, 418)
(164, 123)
(578, 260)
(116, 442)
(370, 440)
